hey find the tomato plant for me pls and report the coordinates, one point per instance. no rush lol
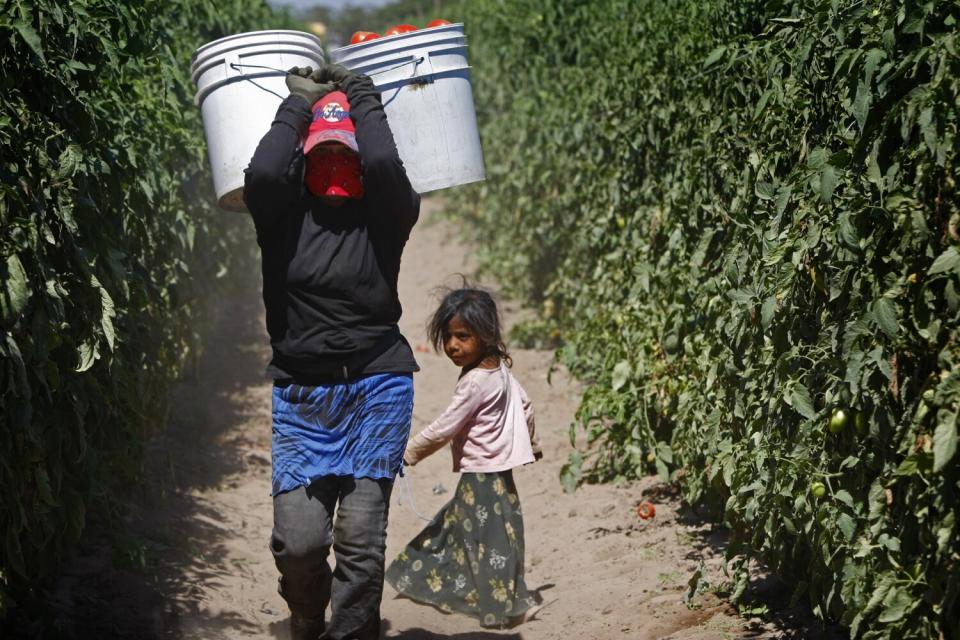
(759, 200)
(111, 253)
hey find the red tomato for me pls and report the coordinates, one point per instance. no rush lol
(363, 36)
(646, 511)
(398, 29)
(439, 22)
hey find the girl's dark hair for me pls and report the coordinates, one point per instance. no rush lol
(478, 310)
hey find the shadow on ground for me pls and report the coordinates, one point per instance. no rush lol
(127, 580)
(423, 634)
(767, 599)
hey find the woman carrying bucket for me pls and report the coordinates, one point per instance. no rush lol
(333, 209)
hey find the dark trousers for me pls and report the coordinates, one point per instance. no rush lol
(304, 529)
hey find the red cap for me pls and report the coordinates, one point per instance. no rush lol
(331, 121)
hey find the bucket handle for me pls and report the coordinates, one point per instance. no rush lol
(236, 66)
(414, 61)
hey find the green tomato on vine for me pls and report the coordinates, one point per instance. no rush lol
(838, 421)
(818, 489)
(860, 423)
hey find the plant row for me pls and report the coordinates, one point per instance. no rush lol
(108, 244)
(741, 220)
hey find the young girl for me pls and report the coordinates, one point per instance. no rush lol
(469, 559)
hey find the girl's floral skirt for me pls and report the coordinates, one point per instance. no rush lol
(469, 559)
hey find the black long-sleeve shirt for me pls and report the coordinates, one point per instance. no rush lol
(330, 273)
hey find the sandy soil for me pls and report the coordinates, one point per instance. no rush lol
(196, 565)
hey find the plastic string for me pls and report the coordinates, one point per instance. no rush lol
(405, 482)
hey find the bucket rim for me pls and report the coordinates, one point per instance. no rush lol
(365, 68)
(249, 34)
(456, 26)
(365, 57)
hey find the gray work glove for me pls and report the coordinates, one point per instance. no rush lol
(334, 73)
(300, 82)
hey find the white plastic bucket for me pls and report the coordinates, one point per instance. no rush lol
(424, 82)
(238, 97)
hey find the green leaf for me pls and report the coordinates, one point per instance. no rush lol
(874, 58)
(29, 35)
(861, 104)
(873, 169)
(714, 56)
(664, 452)
(107, 312)
(767, 311)
(70, 161)
(16, 293)
(944, 443)
(764, 190)
(847, 526)
(87, 354)
(783, 198)
(928, 128)
(885, 315)
(915, 464)
(848, 230)
(884, 585)
(742, 296)
(896, 605)
(949, 260)
(663, 471)
(818, 158)
(844, 496)
(801, 401)
(621, 374)
(828, 182)
(877, 500)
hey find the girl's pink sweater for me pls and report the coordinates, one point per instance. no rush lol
(489, 424)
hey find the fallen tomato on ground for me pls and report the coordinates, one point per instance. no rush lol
(646, 511)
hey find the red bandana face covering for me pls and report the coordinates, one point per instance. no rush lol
(334, 174)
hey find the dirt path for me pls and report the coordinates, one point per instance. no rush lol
(198, 561)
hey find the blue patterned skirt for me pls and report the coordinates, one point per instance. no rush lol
(357, 428)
